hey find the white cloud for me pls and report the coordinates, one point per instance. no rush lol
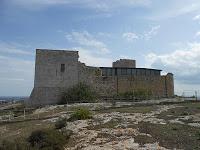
(15, 67)
(147, 35)
(154, 30)
(186, 9)
(12, 79)
(14, 48)
(88, 40)
(103, 34)
(91, 59)
(124, 57)
(16, 76)
(198, 33)
(16, 73)
(99, 5)
(184, 63)
(197, 17)
(175, 8)
(92, 52)
(130, 36)
(40, 2)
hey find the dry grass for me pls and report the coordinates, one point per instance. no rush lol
(12, 131)
(130, 109)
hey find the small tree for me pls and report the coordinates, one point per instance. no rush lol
(47, 139)
(80, 92)
(61, 123)
(17, 144)
(81, 113)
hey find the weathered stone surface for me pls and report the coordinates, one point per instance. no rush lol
(57, 70)
(124, 63)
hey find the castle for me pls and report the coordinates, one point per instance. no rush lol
(57, 70)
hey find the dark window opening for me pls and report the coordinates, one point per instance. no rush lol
(62, 69)
(103, 72)
(116, 71)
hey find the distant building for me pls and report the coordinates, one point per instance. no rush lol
(57, 70)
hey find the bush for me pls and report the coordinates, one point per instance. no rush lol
(61, 123)
(39, 140)
(81, 114)
(66, 133)
(137, 94)
(47, 139)
(81, 93)
(19, 144)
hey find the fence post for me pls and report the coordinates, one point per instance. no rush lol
(53, 112)
(183, 96)
(196, 95)
(24, 114)
(10, 116)
(67, 106)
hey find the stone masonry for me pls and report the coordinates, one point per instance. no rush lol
(57, 70)
(124, 63)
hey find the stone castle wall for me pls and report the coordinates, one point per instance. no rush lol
(45, 95)
(168, 85)
(56, 71)
(50, 81)
(48, 68)
(124, 63)
(109, 86)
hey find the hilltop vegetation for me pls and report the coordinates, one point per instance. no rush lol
(147, 124)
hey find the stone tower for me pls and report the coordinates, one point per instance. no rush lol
(54, 71)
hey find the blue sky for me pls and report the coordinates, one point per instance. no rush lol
(158, 34)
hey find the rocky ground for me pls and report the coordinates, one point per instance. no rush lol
(155, 124)
(116, 130)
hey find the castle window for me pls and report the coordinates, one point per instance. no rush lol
(62, 68)
(116, 71)
(103, 72)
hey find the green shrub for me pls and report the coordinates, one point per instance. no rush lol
(141, 94)
(127, 95)
(198, 135)
(61, 123)
(81, 93)
(137, 94)
(47, 139)
(185, 113)
(66, 133)
(81, 114)
(19, 144)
